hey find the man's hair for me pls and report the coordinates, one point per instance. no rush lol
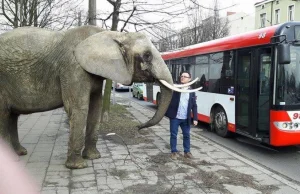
(185, 72)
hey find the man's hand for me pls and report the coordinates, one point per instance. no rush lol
(195, 123)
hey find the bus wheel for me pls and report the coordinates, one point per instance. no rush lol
(220, 122)
(158, 99)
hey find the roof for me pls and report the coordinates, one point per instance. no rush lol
(249, 39)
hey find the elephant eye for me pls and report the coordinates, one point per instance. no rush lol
(147, 56)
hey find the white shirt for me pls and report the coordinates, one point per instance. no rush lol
(183, 106)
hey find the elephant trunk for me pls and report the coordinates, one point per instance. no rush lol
(166, 96)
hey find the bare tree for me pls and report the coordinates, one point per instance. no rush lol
(53, 14)
(199, 29)
(139, 15)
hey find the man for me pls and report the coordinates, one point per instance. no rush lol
(179, 113)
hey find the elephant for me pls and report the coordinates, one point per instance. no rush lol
(42, 70)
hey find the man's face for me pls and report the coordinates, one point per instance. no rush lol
(185, 78)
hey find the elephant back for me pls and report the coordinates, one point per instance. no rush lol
(27, 44)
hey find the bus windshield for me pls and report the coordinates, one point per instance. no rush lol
(288, 80)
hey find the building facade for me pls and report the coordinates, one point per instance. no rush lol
(240, 22)
(272, 12)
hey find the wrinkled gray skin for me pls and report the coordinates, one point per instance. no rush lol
(41, 70)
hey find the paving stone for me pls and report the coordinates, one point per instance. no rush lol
(56, 181)
(117, 186)
(58, 168)
(286, 190)
(55, 190)
(83, 171)
(240, 189)
(103, 187)
(212, 168)
(84, 191)
(247, 170)
(194, 191)
(231, 162)
(104, 166)
(82, 178)
(218, 155)
(264, 179)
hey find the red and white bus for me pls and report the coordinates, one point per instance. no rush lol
(251, 83)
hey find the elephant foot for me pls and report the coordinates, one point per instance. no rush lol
(76, 162)
(20, 150)
(91, 153)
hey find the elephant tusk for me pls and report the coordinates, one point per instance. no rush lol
(185, 85)
(177, 89)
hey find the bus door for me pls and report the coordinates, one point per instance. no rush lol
(253, 91)
(243, 91)
(263, 90)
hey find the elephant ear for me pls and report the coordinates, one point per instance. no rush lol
(102, 55)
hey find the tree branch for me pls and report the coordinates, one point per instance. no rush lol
(4, 13)
(125, 23)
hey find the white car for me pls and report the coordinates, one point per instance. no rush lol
(119, 86)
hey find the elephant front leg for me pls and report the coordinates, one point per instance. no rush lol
(14, 136)
(76, 139)
(93, 121)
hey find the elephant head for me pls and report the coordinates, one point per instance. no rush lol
(127, 58)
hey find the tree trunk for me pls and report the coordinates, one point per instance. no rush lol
(35, 15)
(16, 24)
(108, 85)
(92, 12)
(106, 100)
(79, 19)
(21, 12)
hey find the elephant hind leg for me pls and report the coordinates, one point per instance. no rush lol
(4, 125)
(14, 136)
(9, 131)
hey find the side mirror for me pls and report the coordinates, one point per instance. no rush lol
(283, 54)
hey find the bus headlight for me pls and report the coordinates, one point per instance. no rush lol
(284, 125)
(287, 126)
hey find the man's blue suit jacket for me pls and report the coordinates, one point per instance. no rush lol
(173, 107)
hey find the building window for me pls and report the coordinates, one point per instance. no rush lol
(277, 16)
(263, 20)
(263, 6)
(277, 2)
(291, 13)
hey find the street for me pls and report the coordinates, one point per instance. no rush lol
(283, 160)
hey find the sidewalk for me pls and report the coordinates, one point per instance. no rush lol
(148, 168)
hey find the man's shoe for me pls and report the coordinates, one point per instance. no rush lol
(188, 155)
(174, 155)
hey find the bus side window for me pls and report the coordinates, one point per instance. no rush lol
(227, 74)
(215, 69)
(201, 71)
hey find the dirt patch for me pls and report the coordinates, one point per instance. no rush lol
(160, 158)
(216, 181)
(159, 188)
(122, 174)
(121, 122)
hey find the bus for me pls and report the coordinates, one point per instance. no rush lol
(251, 83)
